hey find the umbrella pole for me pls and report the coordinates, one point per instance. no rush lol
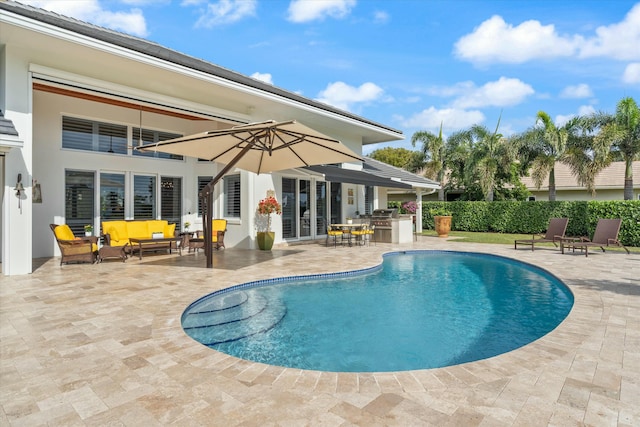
(206, 198)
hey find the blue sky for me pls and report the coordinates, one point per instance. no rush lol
(408, 64)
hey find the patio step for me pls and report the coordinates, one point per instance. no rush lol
(254, 316)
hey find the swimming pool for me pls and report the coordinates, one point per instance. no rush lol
(417, 310)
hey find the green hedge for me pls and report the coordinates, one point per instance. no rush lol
(533, 217)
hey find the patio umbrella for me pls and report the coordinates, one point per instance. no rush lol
(257, 147)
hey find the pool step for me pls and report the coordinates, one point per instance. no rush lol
(206, 315)
(254, 316)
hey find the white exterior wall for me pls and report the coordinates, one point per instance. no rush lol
(16, 222)
(32, 51)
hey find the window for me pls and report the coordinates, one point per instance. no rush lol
(321, 208)
(202, 182)
(336, 202)
(144, 197)
(232, 196)
(532, 198)
(368, 200)
(289, 208)
(79, 199)
(149, 137)
(171, 200)
(111, 196)
(79, 134)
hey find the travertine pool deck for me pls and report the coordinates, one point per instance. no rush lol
(102, 345)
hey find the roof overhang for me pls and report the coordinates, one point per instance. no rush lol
(7, 142)
(351, 176)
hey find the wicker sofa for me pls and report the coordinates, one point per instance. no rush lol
(118, 233)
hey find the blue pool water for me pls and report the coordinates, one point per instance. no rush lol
(418, 310)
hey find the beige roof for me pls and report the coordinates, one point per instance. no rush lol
(612, 177)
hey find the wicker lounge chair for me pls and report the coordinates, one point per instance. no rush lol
(218, 230)
(606, 234)
(74, 249)
(555, 233)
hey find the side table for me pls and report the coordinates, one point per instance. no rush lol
(112, 252)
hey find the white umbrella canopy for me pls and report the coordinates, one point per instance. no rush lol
(257, 147)
(260, 147)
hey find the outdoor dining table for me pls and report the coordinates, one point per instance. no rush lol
(350, 227)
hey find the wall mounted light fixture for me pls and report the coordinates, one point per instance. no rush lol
(19, 191)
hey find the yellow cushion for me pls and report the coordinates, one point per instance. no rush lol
(169, 230)
(113, 233)
(141, 229)
(63, 232)
(119, 226)
(217, 225)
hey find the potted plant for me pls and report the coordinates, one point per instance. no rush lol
(187, 224)
(267, 206)
(442, 217)
(88, 230)
(349, 220)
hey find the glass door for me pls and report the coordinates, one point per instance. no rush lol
(305, 207)
(321, 208)
(289, 202)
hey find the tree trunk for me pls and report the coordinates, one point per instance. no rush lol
(628, 179)
(490, 195)
(552, 185)
(441, 194)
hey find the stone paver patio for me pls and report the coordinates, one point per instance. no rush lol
(102, 345)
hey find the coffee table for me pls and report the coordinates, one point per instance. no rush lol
(154, 244)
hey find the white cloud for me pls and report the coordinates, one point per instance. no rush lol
(632, 73)
(380, 17)
(312, 10)
(504, 92)
(226, 12)
(130, 22)
(264, 77)
(618, 41)
(451, 118)
(583, 110)
(577, 91)
(494, 40)
(341, 95)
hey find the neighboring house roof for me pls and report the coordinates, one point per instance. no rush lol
(155, 50)
(612, 177)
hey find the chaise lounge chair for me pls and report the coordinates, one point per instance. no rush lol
(555, 233)
(606, 234)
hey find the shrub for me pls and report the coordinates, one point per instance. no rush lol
(533, 217)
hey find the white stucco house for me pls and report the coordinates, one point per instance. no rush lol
(76, 98)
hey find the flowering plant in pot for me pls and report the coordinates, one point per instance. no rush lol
(267, 206)
(88, 230)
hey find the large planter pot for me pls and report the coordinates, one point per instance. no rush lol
(265, 240)
(443, 225)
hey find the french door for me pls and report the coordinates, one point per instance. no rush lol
(304, 209)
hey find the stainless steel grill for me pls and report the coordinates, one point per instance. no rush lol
(382, 219)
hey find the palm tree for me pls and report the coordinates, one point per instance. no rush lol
(540, 148)
(433, 150)
(622, 133)
(490, 156)
(573, 144)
